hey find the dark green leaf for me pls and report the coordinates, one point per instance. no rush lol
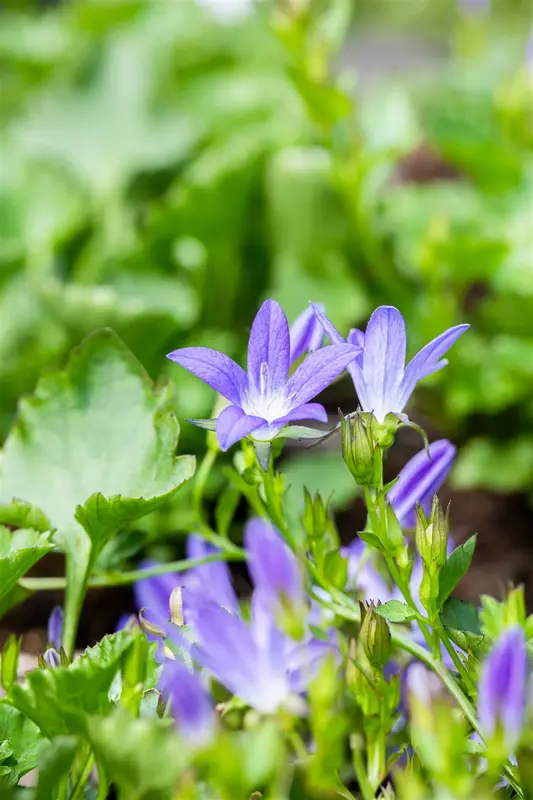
(455, 568)
(462, 622)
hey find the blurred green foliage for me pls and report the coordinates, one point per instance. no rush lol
(163, 169)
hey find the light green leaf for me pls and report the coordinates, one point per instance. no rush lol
(19, 551)
(94, 448)
(19, 514)
(141, 756)
(59, 700)
(396, 611)
(20, 744)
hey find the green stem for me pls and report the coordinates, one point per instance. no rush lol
(455, 658)
(202, 475)
(79, 788)
(125, 578)
(360, 774)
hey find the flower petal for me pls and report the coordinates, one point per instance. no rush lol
(209, 582)
(326, 323)
(226, 648)
(274, 568)
(191, 707)
(55, 628)
(317, 371)
(503, 686)
(306, 333)
(420, 479)
(233, 424)
(269, 344)
(216, 369)
(384, 360)
(153, 594)
(307, 411)
(427, 360)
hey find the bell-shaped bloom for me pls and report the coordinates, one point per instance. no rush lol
(191, 707)
(255, 660)
(265, 400)
(306, 334)
(55, 628)
(502, 693)
(419, 480)
(274, 569)
(382, 381)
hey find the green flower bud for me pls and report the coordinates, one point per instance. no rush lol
(385, 432)
(315, 517)
(432, 536)
(359, 451)
(375, 636)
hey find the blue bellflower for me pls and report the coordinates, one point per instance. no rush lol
(265, 400)
(419, 480)
(382, 381)
(191, 707)
(503, 687)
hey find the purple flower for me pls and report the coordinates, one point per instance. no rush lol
(264, 400)
(382, 381)
(275, 571)
(207, 584)
(419, 480)
(503, 687)
(55, 628)
(255, 661)
(306, 334)
(191, 707)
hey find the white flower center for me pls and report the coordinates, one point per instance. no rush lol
(262, 401)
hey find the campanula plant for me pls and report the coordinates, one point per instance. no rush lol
(350, 665)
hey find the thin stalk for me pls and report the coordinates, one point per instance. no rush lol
(361, 775)
(125, 578)
(456, 659)
(202, 475)
(79, 788)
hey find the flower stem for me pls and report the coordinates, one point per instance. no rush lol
(125, 578)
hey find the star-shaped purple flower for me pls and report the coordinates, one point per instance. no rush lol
(265, 400)
(382, 381)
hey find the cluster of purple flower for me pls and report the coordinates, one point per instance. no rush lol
(265, 401)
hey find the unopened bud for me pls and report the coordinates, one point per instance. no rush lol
(375, 636)
(51, 658)
(315, 517)
(359, 451)
(432, 536)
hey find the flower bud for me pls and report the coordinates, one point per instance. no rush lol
(375, 636)
(432, 536)
(51, 658)
(359, 451)
(176, 606)
(315, 517)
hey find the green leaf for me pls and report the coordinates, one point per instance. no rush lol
(59, 700)
(19, 551)
(396, 611)
(94, 448)
(20, 745)
(462, 622)
(142, 757)
(371, 539)
(455, 568)
(20, 514)
(10, 661)
(55, 762)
